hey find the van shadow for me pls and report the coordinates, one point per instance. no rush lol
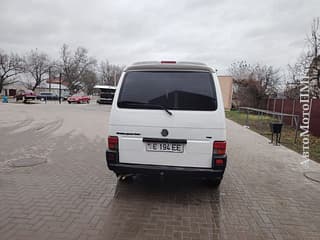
(180, 189)
(162, 207)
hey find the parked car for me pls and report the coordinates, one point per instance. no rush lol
(168, 118)
(78, 99)
(25, 95)
(47, 96)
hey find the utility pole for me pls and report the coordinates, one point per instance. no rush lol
(60, 77)
(49, 79)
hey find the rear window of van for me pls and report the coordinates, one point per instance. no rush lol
(172, 90)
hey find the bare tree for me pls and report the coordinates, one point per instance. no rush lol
(254, 83)
(314, 38)
(314, 67)
(314, 74)
(240, 70)
(89, 80)
(110, 73)
(74, 65)
(311, 59)
(268, 79)
(10, 66)
(28, 84)
(294, 76)
(37, 64)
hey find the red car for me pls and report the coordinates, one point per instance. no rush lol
(25, 95)
(78, 99)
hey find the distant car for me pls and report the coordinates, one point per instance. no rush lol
(47, 96)
(78, 99)
(25, 95)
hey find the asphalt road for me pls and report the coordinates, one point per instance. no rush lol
(54, 184)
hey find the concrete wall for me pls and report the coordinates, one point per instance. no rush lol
(226, 84)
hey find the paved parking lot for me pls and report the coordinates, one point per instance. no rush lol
(54, 185)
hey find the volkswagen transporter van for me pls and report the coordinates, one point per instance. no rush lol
(168, 118)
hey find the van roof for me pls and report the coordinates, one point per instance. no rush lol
(171, 65)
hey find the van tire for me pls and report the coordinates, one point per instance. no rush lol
(213, 182)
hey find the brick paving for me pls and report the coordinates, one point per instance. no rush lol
(264, 194)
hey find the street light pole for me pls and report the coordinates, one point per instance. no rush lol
(60, 77)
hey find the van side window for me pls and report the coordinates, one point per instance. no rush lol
(175, 90)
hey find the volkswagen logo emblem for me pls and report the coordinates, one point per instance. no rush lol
(164, 132)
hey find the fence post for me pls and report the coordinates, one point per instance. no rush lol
(296, 120)
(274, 106)
(282, 102)
(293, 108)
(247, 120)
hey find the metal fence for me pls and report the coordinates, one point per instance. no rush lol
(294, 107)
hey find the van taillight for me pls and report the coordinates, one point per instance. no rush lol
(113, 143)
(218, 162)
(219, 147)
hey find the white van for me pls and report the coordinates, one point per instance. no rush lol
(168, 118)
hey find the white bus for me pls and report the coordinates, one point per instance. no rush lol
(106, 94)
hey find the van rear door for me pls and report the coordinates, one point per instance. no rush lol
(168, 118)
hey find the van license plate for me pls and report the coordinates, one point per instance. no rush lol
(165, 147)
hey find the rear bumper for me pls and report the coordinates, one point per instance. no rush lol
(126, 168)
(104, 101)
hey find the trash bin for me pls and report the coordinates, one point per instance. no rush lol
(276, 129)
(4, 99)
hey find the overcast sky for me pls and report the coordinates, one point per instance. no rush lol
(215, 32)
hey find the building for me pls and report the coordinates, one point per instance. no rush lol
(11, 89)
(53, 86)
(226, 84)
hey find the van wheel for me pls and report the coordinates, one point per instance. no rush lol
(213, 182)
